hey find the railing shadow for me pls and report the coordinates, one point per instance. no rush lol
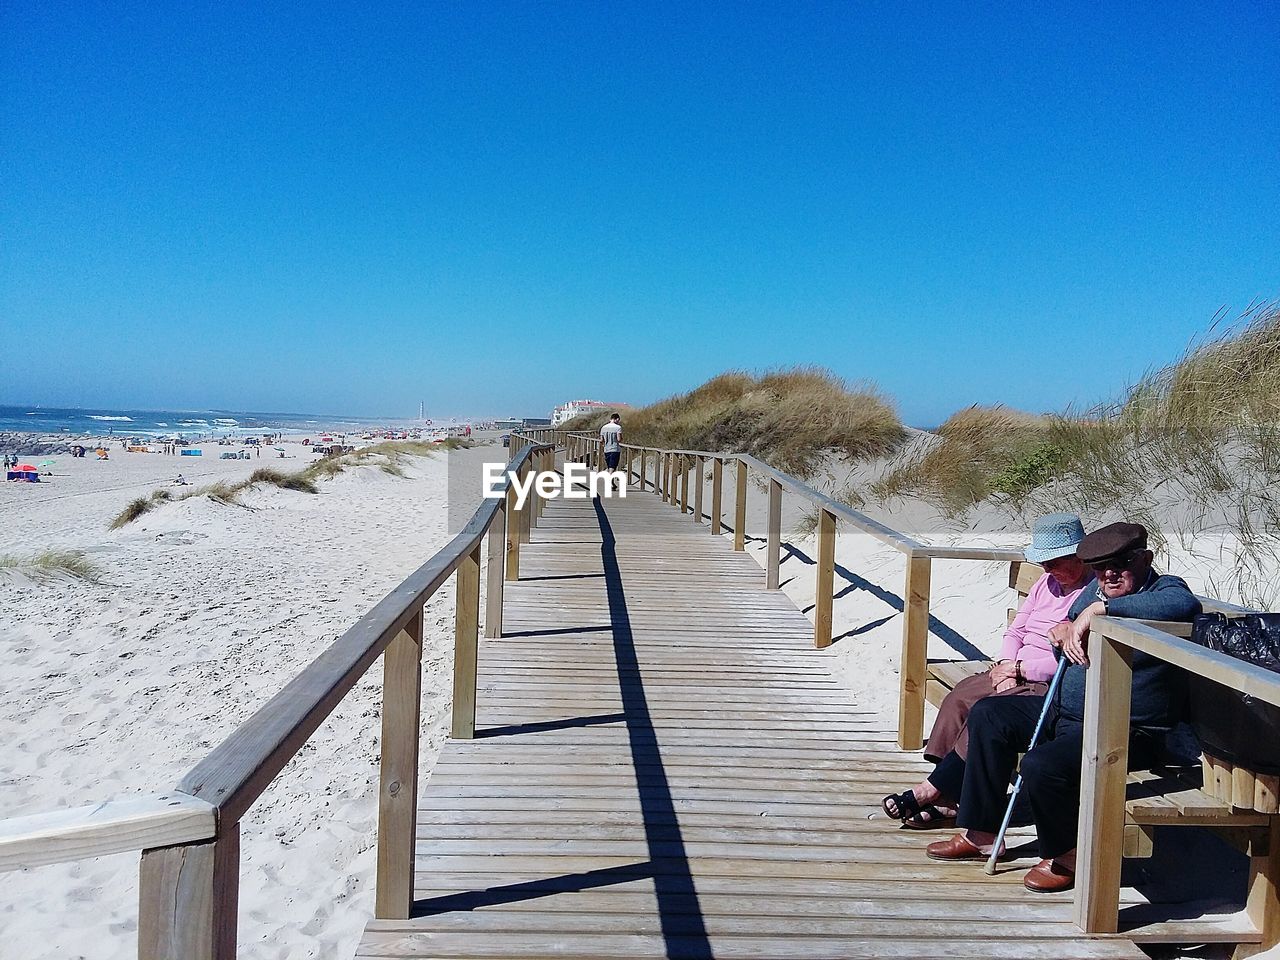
(948, 635)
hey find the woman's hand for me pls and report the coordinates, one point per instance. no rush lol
(1005, 670)
(1001, 686)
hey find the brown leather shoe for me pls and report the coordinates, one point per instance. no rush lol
(957, 848)
(1048, 877)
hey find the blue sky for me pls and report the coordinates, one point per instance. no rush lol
(348, 208)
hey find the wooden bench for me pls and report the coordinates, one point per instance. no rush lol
(943, 675)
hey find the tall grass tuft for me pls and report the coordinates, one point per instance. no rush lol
(285, 481)
(978, 451)
(51, 563)
(790, 418)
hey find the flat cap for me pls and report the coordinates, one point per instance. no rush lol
(1113, 540)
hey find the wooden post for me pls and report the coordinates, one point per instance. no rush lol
(717, 489)
(466, 639)
(643, 475)
(684, 483)
(526, 515)
(1263, 904)
(666, 477)
(188, 899)
(740, 509)
(699, 466)
(773, 550)
(497, 561)
(1099, 850)
(826, 579)
(513, 535)
(914, 662)
(398, 780)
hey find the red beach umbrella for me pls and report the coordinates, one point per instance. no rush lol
(25, 468)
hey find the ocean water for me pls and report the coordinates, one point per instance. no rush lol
(191, 424)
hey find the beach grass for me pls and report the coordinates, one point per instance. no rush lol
(51, 563)
(388, 457)
(792, 419)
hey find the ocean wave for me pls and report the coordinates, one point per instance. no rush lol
(233, 422)
(95, 417)
(161, 424)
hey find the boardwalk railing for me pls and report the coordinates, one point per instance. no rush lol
(190, 836)
(1106, 763)
(669, 474)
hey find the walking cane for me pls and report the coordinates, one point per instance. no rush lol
(990, 868)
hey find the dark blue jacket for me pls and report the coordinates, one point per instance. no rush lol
(1159, 688)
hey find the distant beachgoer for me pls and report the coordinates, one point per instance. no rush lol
(611, 435)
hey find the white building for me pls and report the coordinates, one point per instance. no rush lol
(576, 408)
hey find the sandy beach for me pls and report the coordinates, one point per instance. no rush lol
(204, 610)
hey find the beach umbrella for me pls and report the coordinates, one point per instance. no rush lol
(46, 463)
(25, 468)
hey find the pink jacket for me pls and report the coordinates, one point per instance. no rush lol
(1027, 638)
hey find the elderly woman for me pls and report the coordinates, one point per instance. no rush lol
(1025, 666)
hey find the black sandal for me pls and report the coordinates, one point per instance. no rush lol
(906, 802)
(930, 818)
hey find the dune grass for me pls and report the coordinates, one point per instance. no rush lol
(979, 451)
(388, 457)
(52, 563)
(792, 419)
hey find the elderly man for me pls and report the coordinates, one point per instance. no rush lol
(1000, 728)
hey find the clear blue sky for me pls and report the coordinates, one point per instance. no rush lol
(346, 208)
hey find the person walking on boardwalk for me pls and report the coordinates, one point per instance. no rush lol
(611, 438)
(1000, 728)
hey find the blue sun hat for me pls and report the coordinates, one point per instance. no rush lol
(1053, 536)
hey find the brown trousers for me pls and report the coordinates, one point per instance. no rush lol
(951, 728)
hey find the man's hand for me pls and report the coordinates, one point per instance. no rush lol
(1076, 645)
(1059, 633)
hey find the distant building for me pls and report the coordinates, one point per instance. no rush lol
(511, 423)
(576, 408)
(535, 422)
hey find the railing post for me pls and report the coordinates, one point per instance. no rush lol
(666, 477)
(915, 648)
(773, 549)
(398, 779)
(699, 465)
(513, 535)
(740, 509)
(188, 899)
(717, 485)
(684, 483)
(497, 562)
(466, 641)
(643, 474)
(826, 579)
(1105, 767)
(526, 515)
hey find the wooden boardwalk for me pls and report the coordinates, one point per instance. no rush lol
(664, 767)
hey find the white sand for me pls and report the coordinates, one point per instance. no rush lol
(204, 612)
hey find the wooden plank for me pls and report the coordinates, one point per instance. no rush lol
(1102, 792)
(398, 771)
(1263, 904)
(951, 672)
(1028, 574)
(104, 828)
(188, 900)
(511, 519)
(912, 668)
(1266, 794)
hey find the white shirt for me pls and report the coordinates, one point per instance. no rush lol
(611, 434)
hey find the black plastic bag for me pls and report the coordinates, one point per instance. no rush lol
(1231, 725)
